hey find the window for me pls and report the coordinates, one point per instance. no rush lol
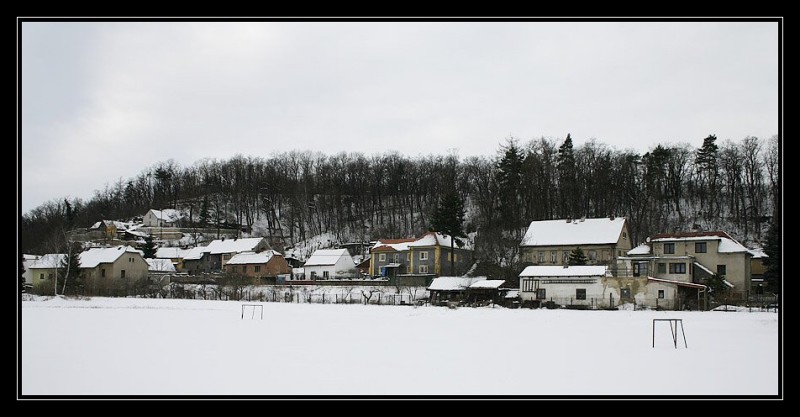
(382, 257)
(669, 248)
(541, 256)
(677, 268)
(244, 268)
(565, 258)
(448, 256)
(700, 247)
(423, 256)
(408, 257)
(721, 269)
(50, 276)
(408, 269)
(423, 269)
(662, 268)
(122, 273)
(553, 257)
(41, 276)
(257, 268)
(637, 269)
(580, 293)
(661, 294)
(625, 293)
(103, 272)
(624, 235)
(541, 294)
(324, 274)
(592, 255)
(528, 285)
(313, 274)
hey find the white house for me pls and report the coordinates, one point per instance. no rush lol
(565, 285)
(160, 266)
(330, 264)
(27, 260)
(162, 218)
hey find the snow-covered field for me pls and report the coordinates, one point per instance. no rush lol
(157, 347)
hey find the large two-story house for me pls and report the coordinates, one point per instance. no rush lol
(427, 255)
(694, 257)
(550, 242)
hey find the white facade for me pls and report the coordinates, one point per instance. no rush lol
(330, 264)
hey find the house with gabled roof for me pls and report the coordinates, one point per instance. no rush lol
(448, 289)
(162, 218)
(194, 260)
(43, 272)
(429, 254)
(219, 251)
(260, 265)
(330, 264)
(112, 271)
(695, 257)
(550, 242)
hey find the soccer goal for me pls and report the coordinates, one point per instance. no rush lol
(252, 309)
(673, 328)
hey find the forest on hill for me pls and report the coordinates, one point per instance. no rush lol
(732, 186)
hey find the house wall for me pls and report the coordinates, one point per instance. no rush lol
(27, 274)
(376, 263)
(438, 262)
(133, 264)
(605, 290)
(343, 267)
(44, 285)
(737, 265)
(275, 266)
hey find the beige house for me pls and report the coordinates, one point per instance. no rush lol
(264, 264)
(111, 271)
(220, 251)
(694, 257)
(550, 242)
(43, 272)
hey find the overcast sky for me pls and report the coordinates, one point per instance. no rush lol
(105, 100)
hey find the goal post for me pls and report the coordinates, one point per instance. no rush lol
(252, 308)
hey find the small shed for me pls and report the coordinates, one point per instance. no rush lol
(485, 292)
(450, 289)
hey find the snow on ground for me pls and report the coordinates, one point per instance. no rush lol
(155, 347)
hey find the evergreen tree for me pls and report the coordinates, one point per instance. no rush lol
(706, 161)
(69, 273)
(509, 180)
(773, 274)
(448, 219)
(149, 248)
(576, 257)
(204, 212)
(567, 179)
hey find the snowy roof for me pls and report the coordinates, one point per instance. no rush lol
(252, 257)
(643, 249)
(727, 244)
(96, 256)
(436, 238)
(169, 253)
(758, 253)
(564, 271)
(512, 294)
(399, 245)
(488, 283)
(453, 283)
(219, 246)
(170, 215)
(160, 265)
(576, 232)
(326, 257)
(51, 260)
(30, 257)
(194, 253)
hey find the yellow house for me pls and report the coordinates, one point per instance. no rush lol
(112, 271)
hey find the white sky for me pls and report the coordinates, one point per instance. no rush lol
(105, 100)
(151, 347)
